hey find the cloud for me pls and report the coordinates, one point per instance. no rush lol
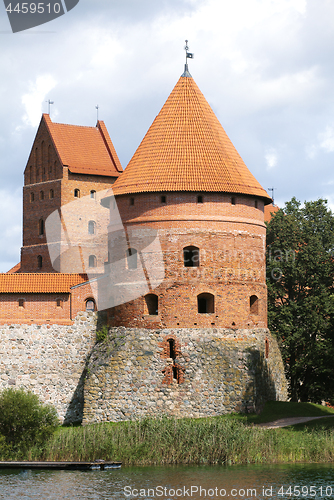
(326, 139)
(271, 158)
(34, 99)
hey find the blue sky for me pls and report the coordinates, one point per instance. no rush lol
(265, 66)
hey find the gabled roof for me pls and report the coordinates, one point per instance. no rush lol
(84, 150)
(39, 282)
(15, 269)
(187, 149)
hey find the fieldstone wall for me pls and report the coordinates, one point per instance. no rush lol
(182, 372)
(50, 361)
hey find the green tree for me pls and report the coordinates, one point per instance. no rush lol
(300, 274)
(24, 420)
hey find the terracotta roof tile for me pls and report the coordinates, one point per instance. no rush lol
(39, 282)
(187, 149)
(269, 210)
(15, 269)
(85, 150)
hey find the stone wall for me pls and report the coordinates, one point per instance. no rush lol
(50, 361)
(182, 372)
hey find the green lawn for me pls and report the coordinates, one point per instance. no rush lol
(274, 410)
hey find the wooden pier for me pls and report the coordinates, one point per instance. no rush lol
(97, 465)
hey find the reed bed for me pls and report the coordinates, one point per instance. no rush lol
(186, 441)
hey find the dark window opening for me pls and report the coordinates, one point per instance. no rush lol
(254, 304)
(39, 261)
(233, 201)
(205, 303)
(171, 343)
(41, 227)
(256, 203)
(51, 194)
(267, 348)
(191, 256)
(132, 258)
(32, 197)
(59, 303)
(92, 261)
(21, 302)
(200, 199)
(152, 304)
(91, 227)
(132, 201)
(163, 199)
(90, 305)
(93, 194)
(77, 193)
(41, 195)
(175, 373)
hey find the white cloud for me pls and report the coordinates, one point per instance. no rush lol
(271, 158)
(326, 139)
(33, 100)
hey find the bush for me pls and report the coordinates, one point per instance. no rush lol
(102, 335)
(24, 420)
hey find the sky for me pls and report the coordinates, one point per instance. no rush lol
(266, 67)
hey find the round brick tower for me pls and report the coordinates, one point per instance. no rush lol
(187, 182)
(189, 330)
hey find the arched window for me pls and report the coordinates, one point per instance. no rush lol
(21, 302)
(91, 227)
(131, 258)
(51, 194)
(90, 305)
(92, 261)
(32, 197)
(254, 304)
(49, 161)
(132, 201)
(77, 193)
(191, 256)
(152, 304)
(41, 195)
(233, 201)
(41, 227)
(39, 262)
(205, 303)
(199, 198)
(93, 194)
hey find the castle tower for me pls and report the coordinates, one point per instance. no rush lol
(66, 163)
(187, 181)
(196, 343)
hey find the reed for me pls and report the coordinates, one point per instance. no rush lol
(186, 441)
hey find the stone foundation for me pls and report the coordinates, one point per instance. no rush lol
(182, 373)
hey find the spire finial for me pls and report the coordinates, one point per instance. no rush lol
(189, 55)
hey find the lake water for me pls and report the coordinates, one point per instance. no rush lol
(169, 483)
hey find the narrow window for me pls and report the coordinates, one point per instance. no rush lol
(49, 161)
(200, 199)
(132, 201)
(93, 194)
(132, 258)
(59, 303)
(43, 158)
(91, 227)
(163, 199)
(51, 194)
(256, 203)
(92, 261)
(254, 304)
(233, 201)
(267, 348)
(152, 304)
(90, 305)
(39, 262)
(171, 343)
(32, 197)
(77, 193)
(205, 303)
(41, 195)
(21, 302)
(191, 256)
(37, 174)
(41, 227)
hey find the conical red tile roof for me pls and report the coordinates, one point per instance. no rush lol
(187, 149)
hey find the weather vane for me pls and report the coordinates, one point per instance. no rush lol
(272, 190)
(189, 55)
(49, 103)
(97, 111)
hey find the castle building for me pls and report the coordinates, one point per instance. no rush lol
(196, 343)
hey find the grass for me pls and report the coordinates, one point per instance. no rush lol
(231, 439)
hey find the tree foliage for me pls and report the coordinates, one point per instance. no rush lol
(300, 275)
(24, 420)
